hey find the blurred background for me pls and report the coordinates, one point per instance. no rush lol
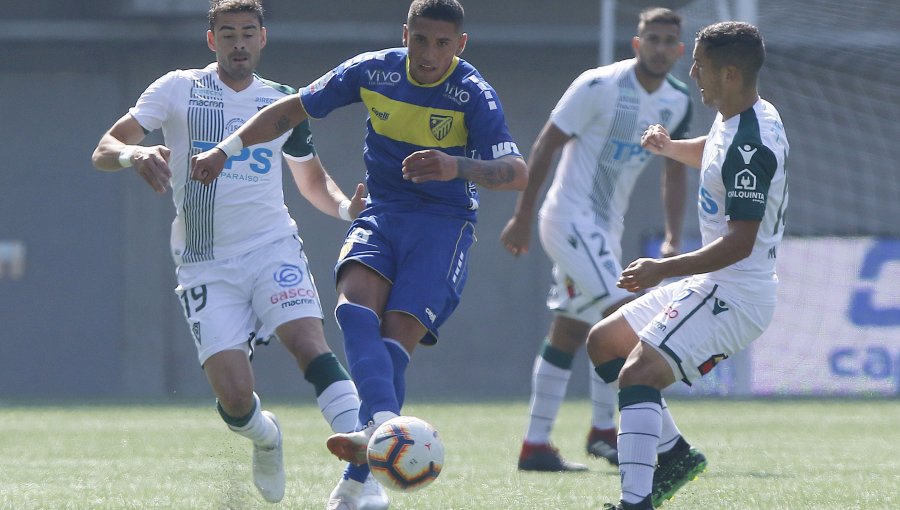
(87, 308)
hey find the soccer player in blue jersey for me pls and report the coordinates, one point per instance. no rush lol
(683, 329)
(435, 129)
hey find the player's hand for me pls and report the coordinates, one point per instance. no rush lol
(656, 139)
(152, 164)
(516, 236)
(430, 165)
(669, 248)
(206, 166)
(642, 274)
(358, 200)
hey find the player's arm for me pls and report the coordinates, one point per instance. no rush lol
(516, 235)
(267, 125)
(674, 195)
(734, 246)
(118, 149)
(317, 186)
(690, 152)
(504, 173)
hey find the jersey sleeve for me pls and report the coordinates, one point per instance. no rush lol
(152, 108)
(747, 173)
(489, 137)
(299, 146)
(336, 88)
(575, 110)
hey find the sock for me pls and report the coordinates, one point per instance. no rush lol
(400, 358)
(604, 400)
(604, 390)
(369, 360)
(353, 489)
(356, 473)
(255, 426)
(549, 379)
(640, 422)
(670, 433)
(335, 392)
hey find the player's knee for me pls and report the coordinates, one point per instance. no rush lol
(236, 402)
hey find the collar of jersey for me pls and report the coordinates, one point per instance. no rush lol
(435, 84)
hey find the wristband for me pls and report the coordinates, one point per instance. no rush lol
(125, 156)
(231, 145)
(344, 210)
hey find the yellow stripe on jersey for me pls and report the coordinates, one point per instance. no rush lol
(416, 125)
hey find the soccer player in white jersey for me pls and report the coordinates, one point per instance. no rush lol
(239, 258)
(683, 329)
(598, 124)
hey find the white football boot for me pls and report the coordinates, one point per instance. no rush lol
(373, 497)
(352, 495)
(268, 467)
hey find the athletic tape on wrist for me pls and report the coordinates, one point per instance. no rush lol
(344, 210)
(231, 145)
(125, 156)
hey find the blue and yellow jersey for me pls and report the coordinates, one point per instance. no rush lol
(459, 115)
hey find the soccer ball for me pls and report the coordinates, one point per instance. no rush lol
(405, 454)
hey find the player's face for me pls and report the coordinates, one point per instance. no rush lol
(432, 45)
(657, 48)
(708, 78)
(238, 40)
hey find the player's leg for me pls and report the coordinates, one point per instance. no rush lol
(231, 378)
(286, 300)
(222, 322)
(586, 267)
(610, 342)
(335, 392)
(550, 376)
(357, 486)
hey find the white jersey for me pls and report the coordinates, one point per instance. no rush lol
(244, 207)
(743, 177)
(606, 110)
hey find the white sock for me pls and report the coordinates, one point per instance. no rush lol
(259, 429)
(339, 404)
(548, 389)
(670, 433)
(639, 427)
(605, 400)
(382, 416)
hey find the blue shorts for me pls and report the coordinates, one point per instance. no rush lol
(424, 256)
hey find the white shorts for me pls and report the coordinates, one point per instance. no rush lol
(586, 268)
(225, 300)
(693, 327)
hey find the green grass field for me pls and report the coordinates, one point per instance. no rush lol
(805, 454)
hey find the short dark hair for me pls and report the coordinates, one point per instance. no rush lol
(658, 15)
(440, 10)
(217, 7)
(734, 43)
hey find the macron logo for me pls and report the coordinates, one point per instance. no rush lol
(747, 153)
(504, 148)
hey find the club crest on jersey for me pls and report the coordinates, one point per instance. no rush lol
(665, 116)
(233, 125)
(440, 125)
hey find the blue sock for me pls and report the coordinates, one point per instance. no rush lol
(369, 360)
(357, 473)
(401, 359)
